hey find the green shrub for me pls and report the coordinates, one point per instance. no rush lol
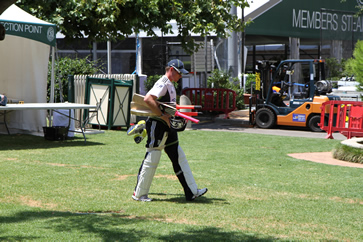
(150, 81)
(347, 153)
(219, 79)
(64, 67)
(334, 68)
(222, 79)
(251, 78)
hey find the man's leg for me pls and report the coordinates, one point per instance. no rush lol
(157, 137)
(147, 172)
(182, 170)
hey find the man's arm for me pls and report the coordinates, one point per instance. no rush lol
(151, 102)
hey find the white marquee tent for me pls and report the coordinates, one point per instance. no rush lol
(24, 66)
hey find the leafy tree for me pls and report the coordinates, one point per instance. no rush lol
(104, 20)
(348, 67)
(355, 64)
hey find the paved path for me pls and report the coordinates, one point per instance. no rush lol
(241, 125)
(325, 158)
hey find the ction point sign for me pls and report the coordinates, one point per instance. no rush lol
(45, 33)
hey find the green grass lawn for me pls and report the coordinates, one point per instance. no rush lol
(52, 191)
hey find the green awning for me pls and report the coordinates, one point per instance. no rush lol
(39, 32)
(19, 23)
(307, 19)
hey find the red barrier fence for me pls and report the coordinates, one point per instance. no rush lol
(212, 99)
(343, 116)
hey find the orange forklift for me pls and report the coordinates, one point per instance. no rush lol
(290, 94)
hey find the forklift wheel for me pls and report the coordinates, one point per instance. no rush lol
(265, 118)
(313, 123)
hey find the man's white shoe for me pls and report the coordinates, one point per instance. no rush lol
(200, 192)
(143, 198)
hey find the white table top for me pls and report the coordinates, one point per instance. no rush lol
(66, 105)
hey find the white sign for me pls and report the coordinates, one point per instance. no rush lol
(306, 19)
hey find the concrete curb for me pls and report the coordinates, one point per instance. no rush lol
(353, 142)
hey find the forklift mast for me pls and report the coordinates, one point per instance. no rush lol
(264, 71)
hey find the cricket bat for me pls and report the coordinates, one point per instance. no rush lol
(139, 100)
(141, 110)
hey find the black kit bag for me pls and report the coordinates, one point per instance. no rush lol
(3, 100)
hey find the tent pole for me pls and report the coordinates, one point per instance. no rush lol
(52, 78)
(109, 71)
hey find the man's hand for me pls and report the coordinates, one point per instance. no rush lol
(166, 117)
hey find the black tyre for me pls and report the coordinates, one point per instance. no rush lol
(313, 123)
(265, 118)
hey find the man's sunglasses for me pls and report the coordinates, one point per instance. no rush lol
(176, 69)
